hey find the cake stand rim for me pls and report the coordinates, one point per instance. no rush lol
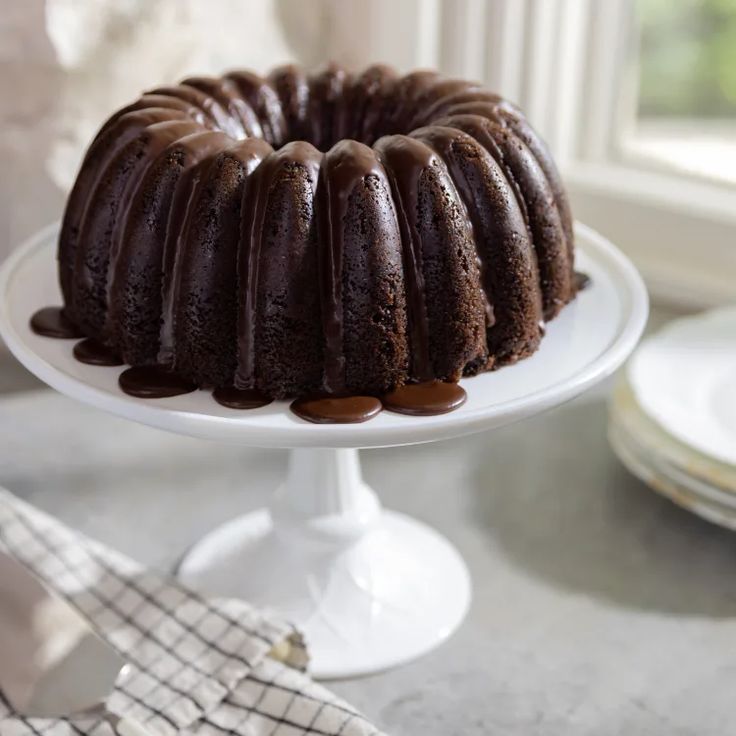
(240, 430)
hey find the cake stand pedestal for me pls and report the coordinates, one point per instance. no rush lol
(369, 588)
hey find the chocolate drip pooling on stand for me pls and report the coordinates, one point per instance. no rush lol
(237, 398)
(582, 281)
(425, 399)
(327, 409)
(51, 322)
(151, 382)
(92, 352)
(265, 177)
(344, 167)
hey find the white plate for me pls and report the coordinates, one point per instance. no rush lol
(649, 435)
(712, 505)
(590, 339)
(685, 378)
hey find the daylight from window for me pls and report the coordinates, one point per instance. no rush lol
(686, 87)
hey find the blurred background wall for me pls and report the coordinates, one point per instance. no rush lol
(66, 64)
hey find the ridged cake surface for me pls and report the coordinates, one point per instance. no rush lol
(331, 232)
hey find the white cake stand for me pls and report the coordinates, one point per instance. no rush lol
(369, 588)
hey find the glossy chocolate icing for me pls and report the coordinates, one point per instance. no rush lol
(504, 251)
(324, 409)
(93, 352)
(351, 268)
(425, 399)
(582, 281)
(405, 159)
(198, 335)
(346, 164)
(237, 398)
(296, 154)
(258, 95)
(152, 382)
(52, 322)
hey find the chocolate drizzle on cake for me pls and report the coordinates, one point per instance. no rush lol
(405, 160)
(52, 322)
(425, 399)
(329, 235)
(582, 281)
(294, 159)
(345, 166)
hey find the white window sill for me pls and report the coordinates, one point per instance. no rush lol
(681, 233)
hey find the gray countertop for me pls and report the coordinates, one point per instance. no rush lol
(599, 608)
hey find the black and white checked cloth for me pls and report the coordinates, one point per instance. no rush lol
(198, 666)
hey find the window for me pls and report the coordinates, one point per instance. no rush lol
(684, 88)
(648, 163)
(636, 98)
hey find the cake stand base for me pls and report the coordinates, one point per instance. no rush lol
(368, 588)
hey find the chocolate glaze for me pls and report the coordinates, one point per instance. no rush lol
(195, 97)
(401, 99)
(160, 102)
(582, 281)
(536, 145)
(439, 90)
(447, 104)
(290, 84)
(443, 285)
(425, 399)
(368, 95)
(477, 127)
(441, 199)
(117, 133)
(151, 382)
(52, 322)
(345, 165)
(189, 150)
(535, 192)
(242, 122)
(237, 398)
(324, 409)
(199, 328)
(261, 97)
(405, 159)
(185, 193)
(306, 156)
(509, 279)
(494, 108)
(105, 216)
(95, 353)
(442, 140)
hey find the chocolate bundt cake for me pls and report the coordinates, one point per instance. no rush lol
(333, 233)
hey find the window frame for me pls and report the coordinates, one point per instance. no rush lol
(568, 64)
(679, 228)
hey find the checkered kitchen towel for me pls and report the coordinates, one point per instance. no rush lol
(199, 666)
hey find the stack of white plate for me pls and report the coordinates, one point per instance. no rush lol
(673, 414)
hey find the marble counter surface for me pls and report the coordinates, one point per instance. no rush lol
(599, 608)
